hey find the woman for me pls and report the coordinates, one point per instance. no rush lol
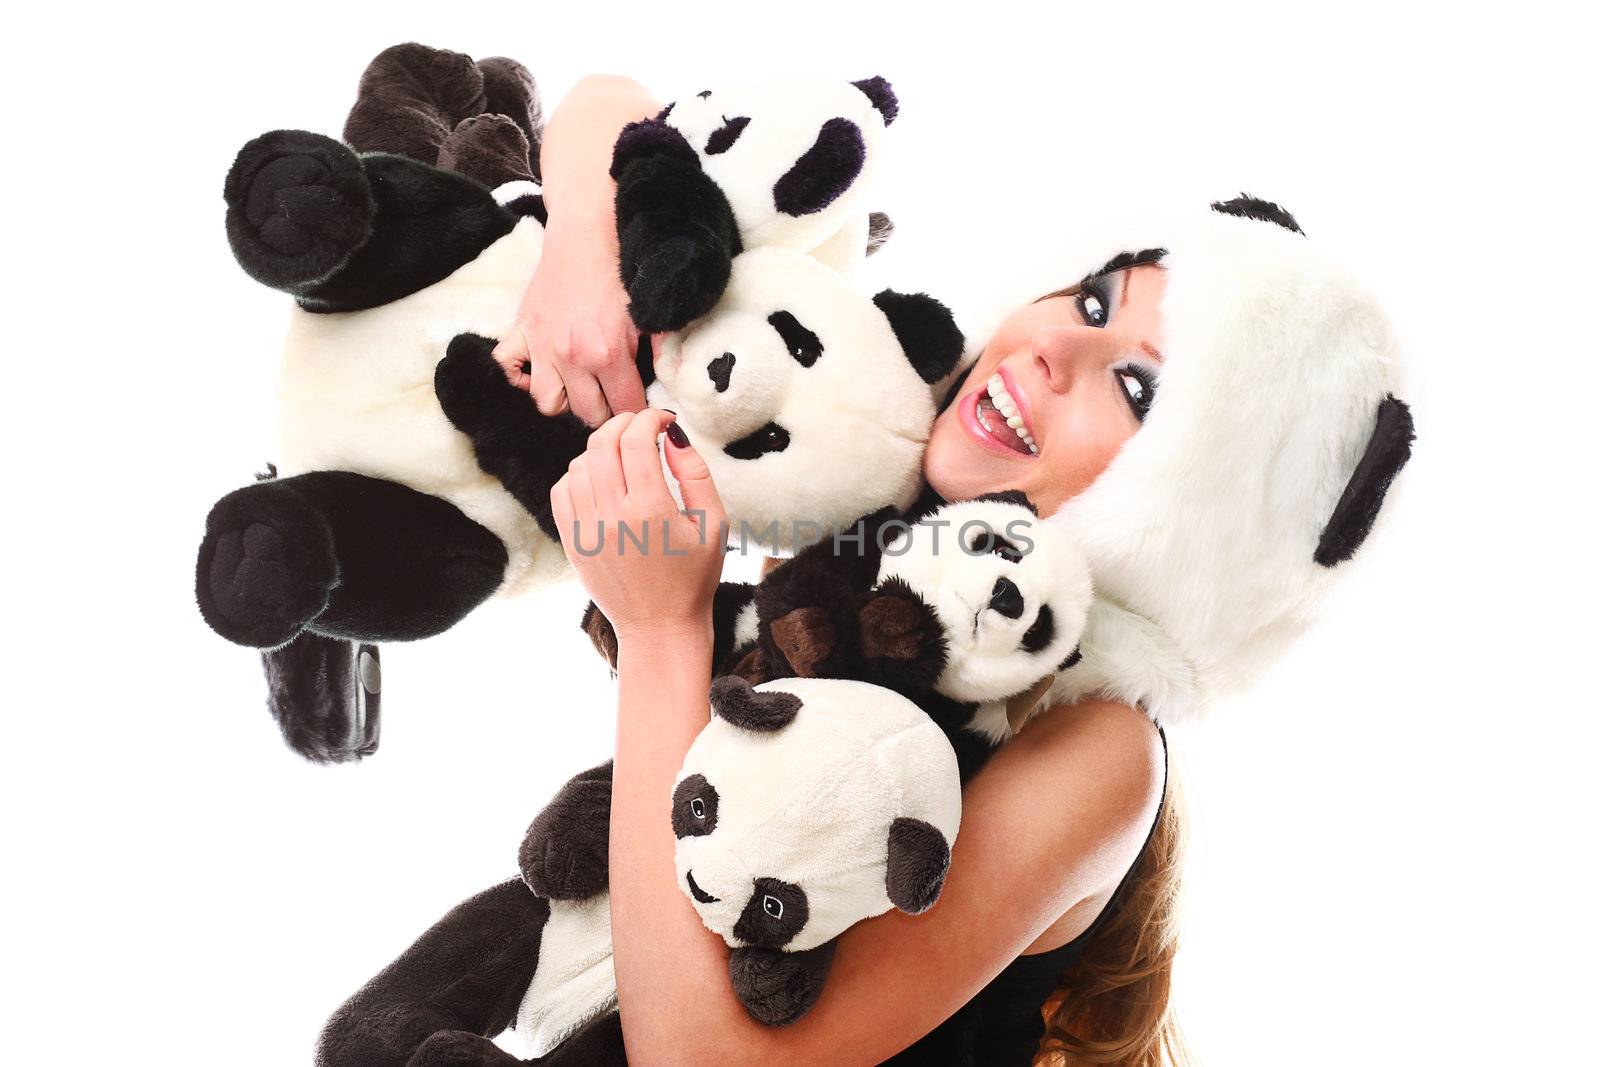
(1207, 411)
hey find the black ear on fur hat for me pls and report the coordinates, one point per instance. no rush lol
(651, 137)
(1245, 206)
(1388, 449)
(919, 856)
(733, 699)
(927, 332)
(881, 93)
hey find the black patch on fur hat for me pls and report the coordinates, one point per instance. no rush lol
(776, 988)
(919, 856)
(1246, 206)
(824, 171)
(802, 344)
(723, 136)
(1010, 496)
(734, 700)
(776, 912)
(1387, 451)
(566, 853)
(927, 331)
(694, 807)
(882, 96)
(1042, 632)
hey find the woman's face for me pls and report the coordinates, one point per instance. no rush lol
(1062, 384)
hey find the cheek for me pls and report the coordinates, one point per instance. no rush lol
(1073, 462)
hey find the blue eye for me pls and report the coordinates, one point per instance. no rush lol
(1094, 304)
(1138, 388)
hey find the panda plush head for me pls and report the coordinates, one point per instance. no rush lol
(1010, 591)
(806, 805)
(795, 158)
(810, 402)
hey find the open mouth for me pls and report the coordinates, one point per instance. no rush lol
(996, 418)
(695, 891)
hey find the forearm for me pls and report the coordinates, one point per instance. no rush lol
(672, 974)
(575, 154)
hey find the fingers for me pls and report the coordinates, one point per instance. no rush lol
(512, 355)
(603, 460)
(694, 479)
(584, 395)
(641, 459)
(549, 392)
(620, 380)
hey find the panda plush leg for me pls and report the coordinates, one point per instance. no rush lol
(342, 231)
(599, 1044)
(342, 554)
(324, 693)
(467, 973)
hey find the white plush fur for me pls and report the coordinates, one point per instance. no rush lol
(576, 980)
(785, 117)
(356, 393)
(858, 417)
(1201, 531)
(812, 803)
(941, 558)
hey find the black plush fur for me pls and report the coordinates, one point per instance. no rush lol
(526, 451)
(342, 232)
(324, 693)
(926, 330)
(1246, 206)
(882, 96)
(468, 972)
(824, 171)
(1387, 451)
(676, 231)
(344, 555)
(734, 701)
(565, 854)
(919, 857)
(777, 987)
(880, 227)
(489, 149)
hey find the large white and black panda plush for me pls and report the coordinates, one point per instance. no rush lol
(852, 774)
(412, 483)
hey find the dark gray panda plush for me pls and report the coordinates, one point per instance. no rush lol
(413, 481)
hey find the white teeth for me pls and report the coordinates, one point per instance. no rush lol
(1009, 411)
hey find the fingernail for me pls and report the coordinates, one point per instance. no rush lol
(676, 435)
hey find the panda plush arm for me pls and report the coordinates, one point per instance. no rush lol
(341, 231)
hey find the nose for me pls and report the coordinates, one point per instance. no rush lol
(720, 371)
(1006, 598)
(1067, 352)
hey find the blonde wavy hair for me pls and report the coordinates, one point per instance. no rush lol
(1113, 1007)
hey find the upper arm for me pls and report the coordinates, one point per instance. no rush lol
(1056, 817)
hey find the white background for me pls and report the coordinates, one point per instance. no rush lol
(1394, 837)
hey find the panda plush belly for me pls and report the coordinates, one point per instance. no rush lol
(356, 393)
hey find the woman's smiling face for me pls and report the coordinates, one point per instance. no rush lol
(1059, 388)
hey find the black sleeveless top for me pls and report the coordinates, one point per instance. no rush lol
(1002, 1025)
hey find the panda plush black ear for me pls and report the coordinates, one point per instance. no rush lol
(1388, 449)
(919, 857)
(1245, 206)
(927, 332)
(882, 96)
(733, 699)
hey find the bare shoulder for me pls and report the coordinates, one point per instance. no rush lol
(1096, 771)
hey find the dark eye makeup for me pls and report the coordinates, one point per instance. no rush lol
(1138, 387)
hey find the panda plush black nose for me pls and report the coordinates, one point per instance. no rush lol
(720, 370)
(1006, 598)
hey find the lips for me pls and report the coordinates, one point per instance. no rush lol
(997, 420)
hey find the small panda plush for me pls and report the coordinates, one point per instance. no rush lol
(410, 487)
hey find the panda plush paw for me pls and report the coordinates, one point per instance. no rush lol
(266, 566)
(566, 852)
(299, 204)
(472, 388)
(457, 1048)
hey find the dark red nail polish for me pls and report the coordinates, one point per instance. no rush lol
(676, 435)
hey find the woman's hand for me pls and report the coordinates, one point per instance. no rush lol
(573, 334)
(652, 569)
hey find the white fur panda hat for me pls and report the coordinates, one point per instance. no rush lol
(1274, 434)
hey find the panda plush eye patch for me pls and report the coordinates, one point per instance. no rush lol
(802, 344)
(723, 136)
(694, 807)
(776, 912)
(1042, 632)
(770, 438)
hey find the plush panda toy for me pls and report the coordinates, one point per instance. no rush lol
(411, 487)
(856, 784)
